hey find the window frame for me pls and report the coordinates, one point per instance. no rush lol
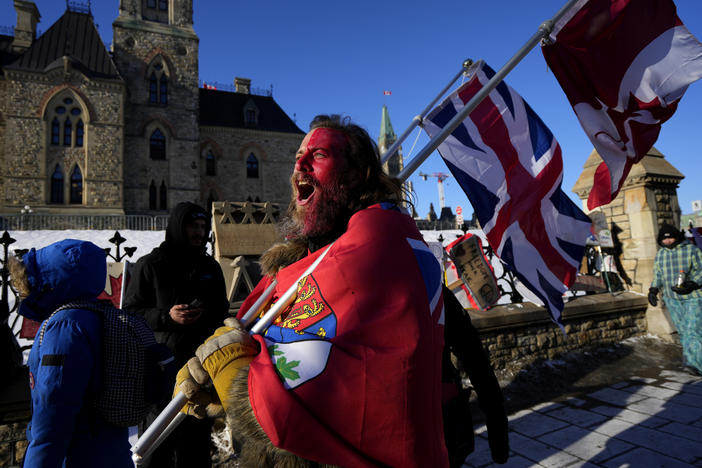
(75, 196)
(57, 193)
(158, 79)
(252, 166)
(158, 145)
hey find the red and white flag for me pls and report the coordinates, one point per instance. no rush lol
(624, 65)
(387, 93)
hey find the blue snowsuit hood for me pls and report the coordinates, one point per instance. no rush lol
(66, 271)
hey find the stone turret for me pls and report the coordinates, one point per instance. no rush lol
(648, 199)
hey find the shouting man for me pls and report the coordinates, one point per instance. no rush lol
(350, 373)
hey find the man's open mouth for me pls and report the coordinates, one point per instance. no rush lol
(305, 191)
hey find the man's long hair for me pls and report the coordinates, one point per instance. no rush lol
(362, 154)
(374, 187)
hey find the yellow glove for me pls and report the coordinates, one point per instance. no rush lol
(194, 382)
(225, 352)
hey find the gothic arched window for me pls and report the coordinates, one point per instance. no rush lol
(67, 127)
(157, 145)
(252, 167)
(76, 186)
(79, 133)
(155, 10)
(57, 185)
(158, 77)
(55, 131)
(163, 89)
(67, 132)
(210, 164)
(153, 89)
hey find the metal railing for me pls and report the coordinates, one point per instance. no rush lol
(59, 222)
(216, 85)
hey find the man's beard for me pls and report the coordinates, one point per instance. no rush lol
(326, 215)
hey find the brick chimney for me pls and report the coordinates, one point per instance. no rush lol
(26, 29)
(242, 85)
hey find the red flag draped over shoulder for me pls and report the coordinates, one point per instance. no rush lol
(350, 375)
(624, 65)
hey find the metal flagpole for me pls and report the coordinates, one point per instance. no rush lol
(543, 31)
(170, 416)
(418, 119)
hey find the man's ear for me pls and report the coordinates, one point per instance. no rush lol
(353, 178)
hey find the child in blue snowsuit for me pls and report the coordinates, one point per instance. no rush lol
(66, 367)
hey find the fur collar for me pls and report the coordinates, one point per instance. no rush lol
(256, 449)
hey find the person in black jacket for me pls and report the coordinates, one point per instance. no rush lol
(180, 291)
(461, 340)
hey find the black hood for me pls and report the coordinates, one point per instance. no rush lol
(668, 231)
(175, 232)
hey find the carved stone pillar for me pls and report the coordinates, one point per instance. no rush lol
(648, 198)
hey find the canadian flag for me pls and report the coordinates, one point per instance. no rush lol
(624, 65)
(387, 93)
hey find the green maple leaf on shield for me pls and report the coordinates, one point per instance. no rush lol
(285, 369)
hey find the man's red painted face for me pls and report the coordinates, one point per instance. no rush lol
(320, 181)
(320, 161)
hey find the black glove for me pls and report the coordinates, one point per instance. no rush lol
(653, 296)
(686, 288)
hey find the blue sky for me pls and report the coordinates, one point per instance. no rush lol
(339, 57)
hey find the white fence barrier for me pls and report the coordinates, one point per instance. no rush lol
(53, 222)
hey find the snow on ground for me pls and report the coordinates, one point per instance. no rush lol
(145, 241)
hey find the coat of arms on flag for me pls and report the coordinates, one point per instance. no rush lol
(624, 66)
(509, 165)
(298, 343)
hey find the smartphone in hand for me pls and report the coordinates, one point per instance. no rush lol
(196, 304)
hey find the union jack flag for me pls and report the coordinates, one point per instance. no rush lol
(509, 165)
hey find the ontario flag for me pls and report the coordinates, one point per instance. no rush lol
(509, 165)
(624, 65)
(350, 374)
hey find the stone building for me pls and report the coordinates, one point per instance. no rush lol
(648, 199)
(84, 130)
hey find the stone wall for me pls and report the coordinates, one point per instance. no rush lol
(29, 158)
(524, 332)
(276, 157)
(648, 198)
(138, 45)
(13, 443)
(15, 413)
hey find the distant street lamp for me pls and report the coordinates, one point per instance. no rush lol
(27, 210)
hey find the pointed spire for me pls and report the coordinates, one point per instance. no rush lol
(387, 137)
(387, 134)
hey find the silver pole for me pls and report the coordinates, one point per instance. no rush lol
(418, 119)
(165, 421)
(250, 314)
(543, 31)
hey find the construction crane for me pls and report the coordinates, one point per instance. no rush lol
(440, 177)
